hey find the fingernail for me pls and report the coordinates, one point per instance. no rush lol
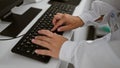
(36, 37)
(59, 29)
(36, 51)
(33, 40)
(39, 31)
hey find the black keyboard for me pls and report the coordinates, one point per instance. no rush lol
(25, 47)
(71, 2)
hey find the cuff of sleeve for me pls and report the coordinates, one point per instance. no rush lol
(84, 19)
(67, 51)
(88, 18)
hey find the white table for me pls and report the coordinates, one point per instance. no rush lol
(11, 60)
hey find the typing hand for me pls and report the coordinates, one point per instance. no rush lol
(50, 40)
(64, 22)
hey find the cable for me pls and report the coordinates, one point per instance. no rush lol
(11, 38)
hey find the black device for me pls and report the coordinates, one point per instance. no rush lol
(18, 22)
(25, 47)
(71, 2)
(7, 5)
(5, 12)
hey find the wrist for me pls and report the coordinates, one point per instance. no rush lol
(80, 21)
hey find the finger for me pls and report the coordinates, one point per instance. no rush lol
(65, 28)
(59, 23)
(43, 52)
(56, 18)
(41, 43)
(46, 33)
(44, 38)
(59, 14)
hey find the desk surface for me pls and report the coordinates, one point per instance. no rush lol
(11, 60)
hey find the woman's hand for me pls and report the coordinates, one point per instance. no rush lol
(64, 22)
(50, 40)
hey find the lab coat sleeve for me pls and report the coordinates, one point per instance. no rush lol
(98, 8)
(97, 54)
(67, 51)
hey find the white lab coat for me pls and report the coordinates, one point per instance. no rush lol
(115, 3)
(97, 54)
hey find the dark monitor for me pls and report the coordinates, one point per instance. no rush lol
(7, 5)
(7, 16)
(18, 22)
